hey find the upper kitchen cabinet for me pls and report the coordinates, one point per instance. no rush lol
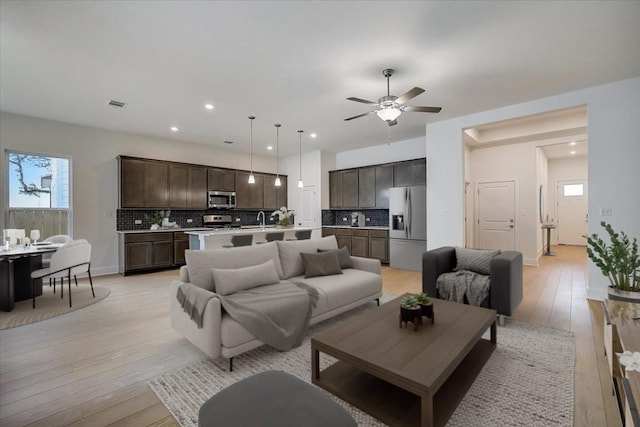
(350, 188)
(143, 183)
(221, 179)
(187, 186)
(412, 172)
(367, 187)
(384, 181)
(249, 196)
(197, 194)
(335, 189)
(274, 197)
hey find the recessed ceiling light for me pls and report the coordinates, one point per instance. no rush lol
(573, 152)
(313, 135)
(572, 143)
(269, 147)
(208, 106)
(174, 129)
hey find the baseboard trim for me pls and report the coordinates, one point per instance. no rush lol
(530, 261)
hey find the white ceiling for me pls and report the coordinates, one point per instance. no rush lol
(295, 63)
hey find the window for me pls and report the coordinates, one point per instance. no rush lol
(573, 190)
(39, 193)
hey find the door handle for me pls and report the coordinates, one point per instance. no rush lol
(511, 226)
(511, 220)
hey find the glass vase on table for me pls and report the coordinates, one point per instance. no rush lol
(35, 235)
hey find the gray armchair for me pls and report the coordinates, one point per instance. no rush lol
(505, 291)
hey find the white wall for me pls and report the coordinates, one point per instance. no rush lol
(94, 168)
(613, 111)
(574, 168)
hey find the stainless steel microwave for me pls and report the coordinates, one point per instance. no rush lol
(221, 199)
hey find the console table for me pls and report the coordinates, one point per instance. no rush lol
(622, 333)
(548, 227)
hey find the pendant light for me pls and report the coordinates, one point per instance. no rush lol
(277, 183)
(252, 179)
(300, 184)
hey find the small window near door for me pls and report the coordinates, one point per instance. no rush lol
(573, 190)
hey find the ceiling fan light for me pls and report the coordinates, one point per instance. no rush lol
(278, 183)
(388, 114)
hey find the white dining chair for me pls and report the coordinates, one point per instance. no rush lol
(46, 257)
(69, 260)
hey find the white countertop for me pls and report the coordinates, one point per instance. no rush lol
(372, 227)
(245, 230)
(163, 230)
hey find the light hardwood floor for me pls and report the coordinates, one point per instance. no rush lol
(90, 367)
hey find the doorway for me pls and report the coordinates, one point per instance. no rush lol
(496, 215)
(309, 214)
(573, 214)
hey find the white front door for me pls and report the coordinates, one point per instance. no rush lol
(572, 212)
(309, 217)
(496, 215)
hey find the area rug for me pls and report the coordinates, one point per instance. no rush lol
(50, 305)
(528, 380)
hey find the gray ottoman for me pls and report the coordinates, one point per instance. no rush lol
(273, 398)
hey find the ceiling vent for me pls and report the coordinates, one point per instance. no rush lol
(116, 103)
(228, 142)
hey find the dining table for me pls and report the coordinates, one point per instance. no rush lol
(16, 265)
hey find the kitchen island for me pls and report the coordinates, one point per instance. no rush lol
(216, 238)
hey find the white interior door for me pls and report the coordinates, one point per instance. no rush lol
(468, 215)
(573, 217)
(309, 215)
(496, 215)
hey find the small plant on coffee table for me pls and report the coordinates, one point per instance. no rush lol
(410, 311)
(426, 305)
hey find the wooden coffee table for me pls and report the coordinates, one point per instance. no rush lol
(401, 376)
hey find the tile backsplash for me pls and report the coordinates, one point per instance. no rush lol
(373, 217)
(126, 218)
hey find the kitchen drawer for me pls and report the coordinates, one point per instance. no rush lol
(378, 233)
(147, 237)
(360, 233)
(342, 231)
(327, 232)
(180, 235)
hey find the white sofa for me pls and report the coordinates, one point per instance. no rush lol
(223, 336)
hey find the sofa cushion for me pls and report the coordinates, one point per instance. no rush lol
(289, 251)
(230, 280)
(343, 256)
(339, 290)
(477, 260)
(200, 263)
(320, 264)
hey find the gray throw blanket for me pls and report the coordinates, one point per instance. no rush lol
(193, 300)
(458, 284)
(277, 314)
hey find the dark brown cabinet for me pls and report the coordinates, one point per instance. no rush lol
(180, 244)
(360, 243)
(413, 172)
(143, 183)
(367, 187)
(145, 251)
(274, 197)
(249, 196)
(350, 188)
(420, 172)
(187, 186)
(384, 181)
(379, 245)
(335, 189)
(219, 179)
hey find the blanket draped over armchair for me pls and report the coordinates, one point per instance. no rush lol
(277, 314)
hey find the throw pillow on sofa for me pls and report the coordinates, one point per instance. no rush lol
(476, 260)
(320, 264)
(290, 253)
(229, 281)
(343, 256)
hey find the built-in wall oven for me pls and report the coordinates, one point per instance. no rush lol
(221, 199)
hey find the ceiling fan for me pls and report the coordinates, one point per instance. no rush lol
(389, 107)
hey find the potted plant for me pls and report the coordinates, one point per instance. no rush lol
(618, 261)
(155, 219)
(284, 217)
(410, 311)
(426, 305)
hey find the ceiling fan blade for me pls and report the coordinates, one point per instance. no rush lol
(416, 109)
(392, 123)
(364, 101)
(359, 115)
(409, 95)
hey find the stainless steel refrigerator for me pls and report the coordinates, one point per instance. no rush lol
(407, 226)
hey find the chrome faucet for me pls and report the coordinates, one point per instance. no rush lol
(258, 218)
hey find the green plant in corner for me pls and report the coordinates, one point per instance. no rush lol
(619, 260)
